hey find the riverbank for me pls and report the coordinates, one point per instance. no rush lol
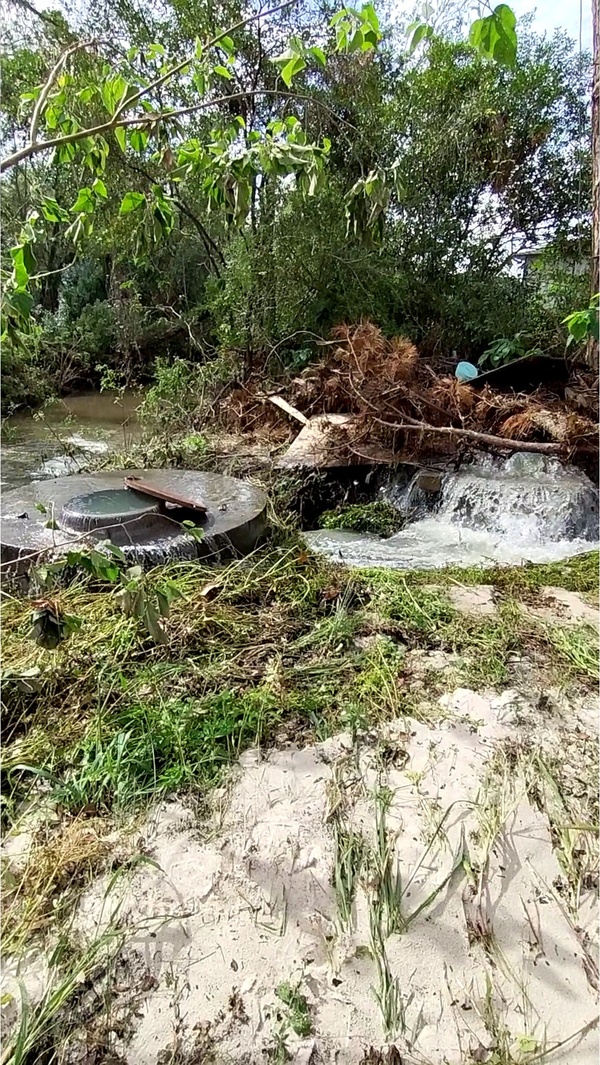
(67, 435)
(370, 801)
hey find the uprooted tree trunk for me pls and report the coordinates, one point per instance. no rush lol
(502, 443)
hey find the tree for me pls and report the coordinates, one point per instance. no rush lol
(98, 99)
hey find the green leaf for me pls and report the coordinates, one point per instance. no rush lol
(87, 94)
(20, 270)
(138, 139)
(53, 212)
(163, 603)
(357, 41)
(506, 16)
(85, 203)
(107, 545)
(194, 531)
(422, 32)
(131, 201)
(224, 72)
(152, 622)
(341, 37)
(66, 153)
(319, 55)
(293, 67)
(99, 188)
(121, 137)
(22, 302)
(495, 36)
(369, 15)
(29, 258)
(227, 44)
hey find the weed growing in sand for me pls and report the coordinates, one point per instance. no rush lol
(298, 1015)
(347, 864)
(44, 1027)
(385, 915)
(575, 837)
(506, 1048)
(386, 870)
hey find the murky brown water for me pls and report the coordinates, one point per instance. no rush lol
(60, 438)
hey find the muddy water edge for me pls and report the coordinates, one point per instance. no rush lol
(60, 438)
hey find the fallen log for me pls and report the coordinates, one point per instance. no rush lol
(500, 442)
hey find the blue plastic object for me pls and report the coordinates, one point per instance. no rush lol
(465, 371)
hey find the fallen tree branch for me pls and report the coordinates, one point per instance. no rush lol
(482, 438)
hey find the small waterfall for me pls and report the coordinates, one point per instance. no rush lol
(525, 508)
(526, 499)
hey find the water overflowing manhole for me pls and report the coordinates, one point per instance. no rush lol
(56, 513)
(527, 508)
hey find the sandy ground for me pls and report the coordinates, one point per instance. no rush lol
(485, 957)
(483, 952)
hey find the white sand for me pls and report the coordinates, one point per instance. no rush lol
(253, 905)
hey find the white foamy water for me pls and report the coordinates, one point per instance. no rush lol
(526, 509)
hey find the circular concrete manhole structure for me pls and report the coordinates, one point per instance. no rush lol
(95, 507)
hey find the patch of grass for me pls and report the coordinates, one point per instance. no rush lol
(577, 645)
(378, 518)
(578, 574)
(150, 749)
(57, 865)
(376, 689)
(487, 644)
(424, 614)
(417, 611)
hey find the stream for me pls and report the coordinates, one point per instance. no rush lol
(60, 438)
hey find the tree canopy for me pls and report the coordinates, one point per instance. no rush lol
(204, 174)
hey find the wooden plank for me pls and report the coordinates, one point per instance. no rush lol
(137, 484)
(283, 404)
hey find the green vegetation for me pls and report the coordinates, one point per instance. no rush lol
(110, 719)
(578, 574)
(379, 518)
(211, 207)
(194, 197)
(106, 719)
(298, 1016)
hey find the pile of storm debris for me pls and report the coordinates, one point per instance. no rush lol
(370, 398)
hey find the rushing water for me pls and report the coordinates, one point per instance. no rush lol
(61, 438)
(525, 508)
